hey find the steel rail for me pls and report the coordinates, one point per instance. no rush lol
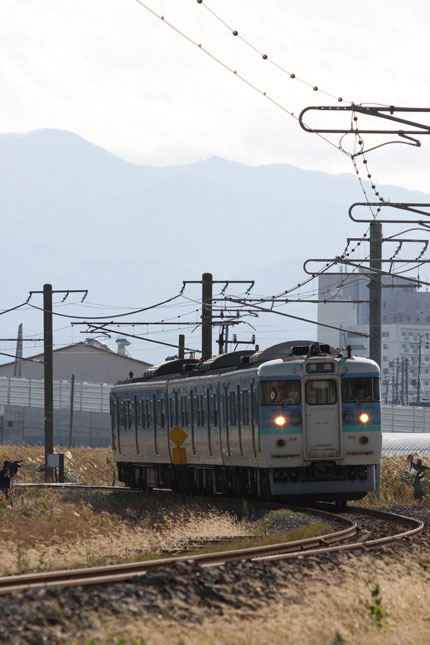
(121, 489)
(119, 572)
(417, 527)
(283, 551)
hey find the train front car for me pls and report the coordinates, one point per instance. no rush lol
(320, 425)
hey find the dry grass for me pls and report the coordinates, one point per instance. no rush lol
(47, 529)
(327, 609)
(396, 483)
(81, 465)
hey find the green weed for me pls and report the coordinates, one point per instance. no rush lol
(375, 607)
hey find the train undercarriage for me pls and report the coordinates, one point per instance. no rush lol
(321, 481)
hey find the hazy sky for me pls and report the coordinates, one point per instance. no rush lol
(113, 73)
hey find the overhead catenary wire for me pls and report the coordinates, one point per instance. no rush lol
(127, 313)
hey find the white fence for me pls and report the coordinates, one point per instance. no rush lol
(26, 392)
(400, 419)
(94, 397)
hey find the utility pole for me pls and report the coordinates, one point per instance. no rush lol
(419, 369)
(407, 380)
(181, 346)
(375, 291)
(386, 383)
(206, 316)
(397, 381)
(72, 403)
(48, 370)
(17, 370)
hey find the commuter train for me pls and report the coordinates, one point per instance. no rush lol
(297, 420)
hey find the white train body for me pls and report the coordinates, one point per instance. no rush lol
(294, 420)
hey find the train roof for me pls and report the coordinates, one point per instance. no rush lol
(232, 361)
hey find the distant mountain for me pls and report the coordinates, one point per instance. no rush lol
(77, 216)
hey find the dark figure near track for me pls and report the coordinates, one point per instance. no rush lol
(5, 479)
(420, 469)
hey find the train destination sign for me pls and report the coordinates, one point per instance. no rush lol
(314, 368)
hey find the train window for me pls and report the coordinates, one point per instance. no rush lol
(233, 416)
(154, 411)
(202, 408)
(245, 407)
(208, 418)
(321, 392)
(208, 409)
(131, 414)
(176, 409)
(280, 393)
(360, 389)
(182, 411)
(239, 418)
(161, 414)
(172, 412)
(186, 411)
(192, 422)
(215, 408)
(376, 389)
(226, 418)
(149, 414)
(121, 414)
(143, 414)
(197, 410)
(225, 402)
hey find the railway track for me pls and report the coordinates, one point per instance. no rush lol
(350, 537)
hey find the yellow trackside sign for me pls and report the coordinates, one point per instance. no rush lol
(179, 456)
(178, 436)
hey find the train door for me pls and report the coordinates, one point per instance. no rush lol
(225, 426)
(115, 414)
(321, 419)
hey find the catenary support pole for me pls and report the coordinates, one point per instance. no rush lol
(375, 291)
(206, 316)
(48, 377)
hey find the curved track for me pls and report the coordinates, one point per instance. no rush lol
(283, 551)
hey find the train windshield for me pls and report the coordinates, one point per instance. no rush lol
(360, 389)
(321, 392)
(280, 393)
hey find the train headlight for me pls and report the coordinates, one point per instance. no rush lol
(364, 418)
(280, 421)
